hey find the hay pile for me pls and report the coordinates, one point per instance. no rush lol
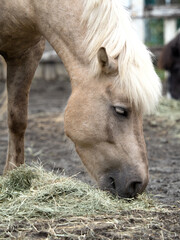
(32, 193)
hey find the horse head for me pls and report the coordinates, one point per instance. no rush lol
(107, 131)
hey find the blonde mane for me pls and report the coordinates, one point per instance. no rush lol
(109, 25)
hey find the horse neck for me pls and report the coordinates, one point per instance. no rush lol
(60, 23)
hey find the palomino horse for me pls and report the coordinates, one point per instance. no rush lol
(170, 61)
(112, 77)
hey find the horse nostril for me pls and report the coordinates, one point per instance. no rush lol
(134, 188)
(112, 183)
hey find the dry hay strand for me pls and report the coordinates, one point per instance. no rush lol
(127, 225)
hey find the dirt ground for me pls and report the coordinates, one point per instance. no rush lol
(46, 143)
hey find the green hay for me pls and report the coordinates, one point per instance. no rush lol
(32, 193)
(167, 116)
(169, 108)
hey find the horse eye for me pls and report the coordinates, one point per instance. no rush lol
(121, 111)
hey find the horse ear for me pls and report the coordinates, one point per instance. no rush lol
(108, 64)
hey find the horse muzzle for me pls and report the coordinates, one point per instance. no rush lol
(125, 185)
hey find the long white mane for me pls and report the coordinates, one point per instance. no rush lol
(109, 25)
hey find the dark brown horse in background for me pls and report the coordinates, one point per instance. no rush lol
(170, 61)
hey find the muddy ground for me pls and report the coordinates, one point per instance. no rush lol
(46, 143)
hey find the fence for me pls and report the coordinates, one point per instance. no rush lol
(50, 67)
(156, 21)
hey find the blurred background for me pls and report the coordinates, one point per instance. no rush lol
(157, 22)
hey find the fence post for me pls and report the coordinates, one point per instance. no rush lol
(137, 13)
(169, 29)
